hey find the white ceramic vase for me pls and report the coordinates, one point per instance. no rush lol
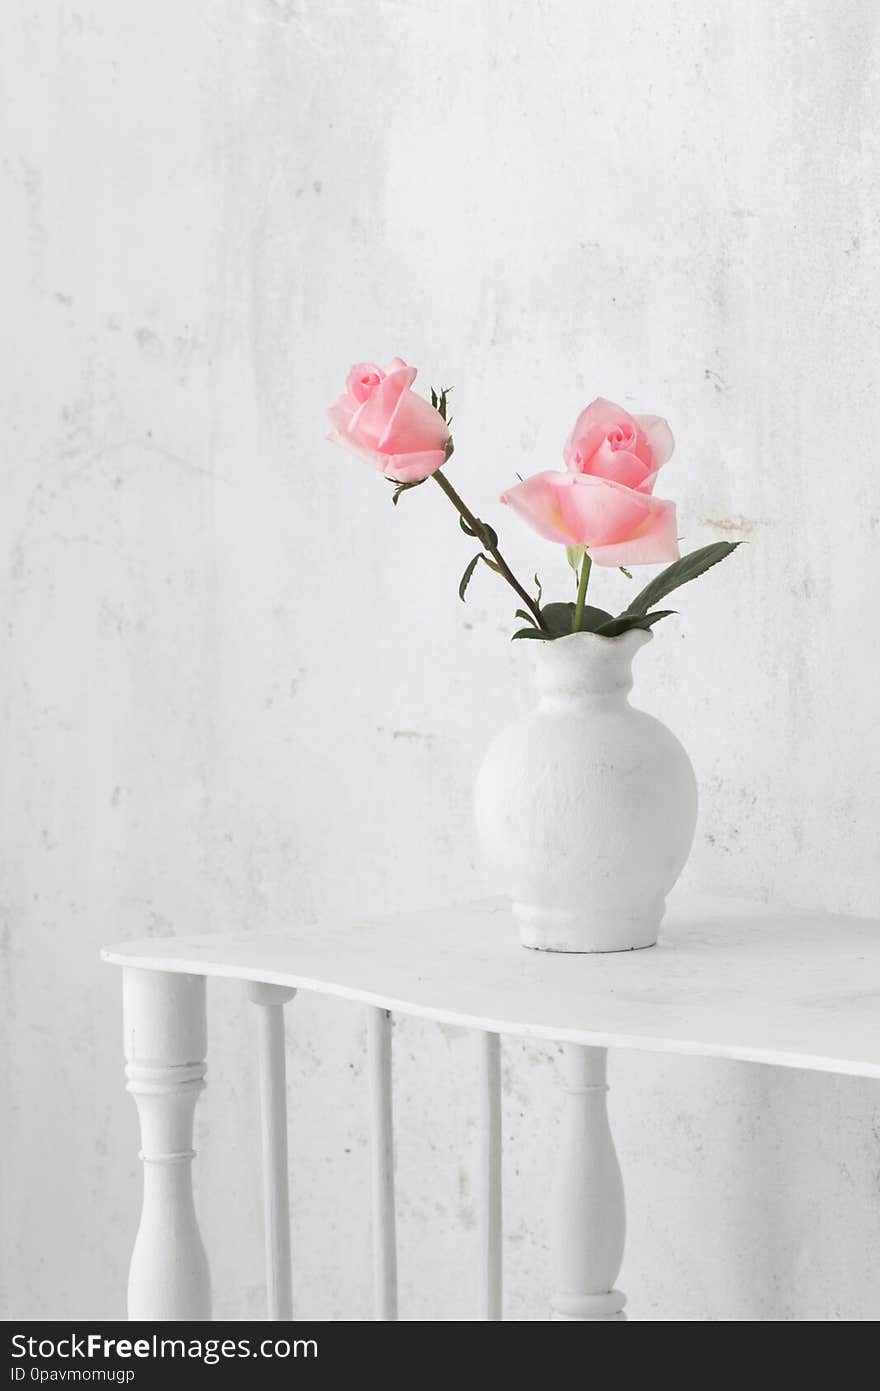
(586, 808)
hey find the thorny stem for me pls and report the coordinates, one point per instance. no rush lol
(477, 528)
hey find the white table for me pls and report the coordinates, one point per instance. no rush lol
(727, 980)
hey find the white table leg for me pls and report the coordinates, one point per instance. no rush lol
(271, 1000)
(382, 1133)
(589, 1219)
(489, 1203)
(165, 1045)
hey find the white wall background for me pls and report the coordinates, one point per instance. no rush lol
(238, 689)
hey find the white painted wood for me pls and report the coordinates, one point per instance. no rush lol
(727, 979)
(382, 1130)
(270, 1001)
(489, 1190)
(589, 1221)
(165, 1045)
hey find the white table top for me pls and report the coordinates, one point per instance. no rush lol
(728, 979)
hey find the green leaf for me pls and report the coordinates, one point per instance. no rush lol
(531, 633)
(434, 398)
(559, 618)
(539, 589)
(466, 577)
(485, 533)
(679, 573)
(449, 449)
(623, 570)
(529, 617)
(592, 619)
(626, 622)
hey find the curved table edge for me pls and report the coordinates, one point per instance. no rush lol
(734, 1052)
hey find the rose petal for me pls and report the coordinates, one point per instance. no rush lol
(619, 465)
(341, 412)
(578, 509)
(414, 426)
(536, 500)
(369, 456)
(653, 443)
(659, 436)
(363, 378)
(599, 512)
(401, 468)
(654, 543)
(371, 420)
(590, 429)
(618, 525)
(413, 468)
(647, 483)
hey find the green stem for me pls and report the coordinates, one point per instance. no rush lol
(476, 527)
(582, 594)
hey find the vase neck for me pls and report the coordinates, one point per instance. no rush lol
(585, 665)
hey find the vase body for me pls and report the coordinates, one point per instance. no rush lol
(586, 808)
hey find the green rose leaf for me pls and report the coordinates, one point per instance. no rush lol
(559, 618)
(592, 619)
(615, 626)
(486, 533)
(466, 577)
(529, 617)
(682, 571)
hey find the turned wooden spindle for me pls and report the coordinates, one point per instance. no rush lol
(589, 1218)
(165, 1045)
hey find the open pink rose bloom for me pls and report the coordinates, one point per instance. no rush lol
(383, 421)
(604, 498)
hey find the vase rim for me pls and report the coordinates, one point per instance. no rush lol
(570, 666)
(633, 637)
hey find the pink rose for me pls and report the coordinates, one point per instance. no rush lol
(604, 500)
(607, 442)
(381, 419)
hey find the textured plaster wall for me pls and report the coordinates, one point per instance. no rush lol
(238, 690)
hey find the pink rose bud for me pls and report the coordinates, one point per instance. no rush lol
(384, 422)
(604, 499)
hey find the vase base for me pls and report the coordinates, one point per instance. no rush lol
(567, 930)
